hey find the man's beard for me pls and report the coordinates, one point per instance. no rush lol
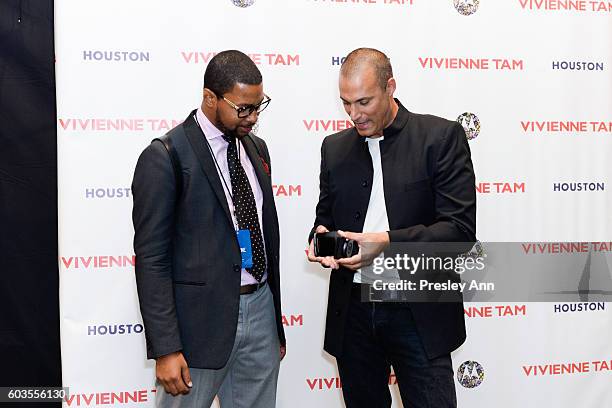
(227, 132)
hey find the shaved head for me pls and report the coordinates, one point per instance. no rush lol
(366, 87)
(364, 58)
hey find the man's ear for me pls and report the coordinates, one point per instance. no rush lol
(391, 86)
(210, 99)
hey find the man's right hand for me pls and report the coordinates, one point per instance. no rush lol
(326, 261)
(172, 372)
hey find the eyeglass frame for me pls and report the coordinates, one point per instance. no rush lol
(249, 108)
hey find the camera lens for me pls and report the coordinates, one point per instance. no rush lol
(348, 248)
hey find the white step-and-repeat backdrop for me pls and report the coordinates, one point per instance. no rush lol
(528, 79)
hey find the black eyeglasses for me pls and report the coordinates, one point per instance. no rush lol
(246, 111)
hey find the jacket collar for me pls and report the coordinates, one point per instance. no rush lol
(401, 118)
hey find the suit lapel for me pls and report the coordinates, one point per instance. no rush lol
(268, 209)
(198, 144)
(257, 161)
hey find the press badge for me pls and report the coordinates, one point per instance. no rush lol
(244, 241)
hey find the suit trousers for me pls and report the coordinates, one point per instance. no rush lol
(248, 380)
(379, 335)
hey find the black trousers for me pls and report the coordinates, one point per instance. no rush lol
(378, 336)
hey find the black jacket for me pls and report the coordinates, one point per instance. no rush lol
(430, 196)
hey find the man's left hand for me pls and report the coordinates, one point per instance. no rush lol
(283, 351)
(373, 242)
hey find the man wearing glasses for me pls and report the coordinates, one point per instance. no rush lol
(207, 248)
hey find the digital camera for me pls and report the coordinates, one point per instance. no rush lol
(332, 244)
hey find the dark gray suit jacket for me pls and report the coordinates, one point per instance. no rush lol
(430, 196)
(187, 256)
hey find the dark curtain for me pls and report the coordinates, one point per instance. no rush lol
(29, 287)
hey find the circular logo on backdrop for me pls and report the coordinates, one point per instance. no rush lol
(243, 3)
(470, 374)
(466, 7)
(470, 123)
(476, 252)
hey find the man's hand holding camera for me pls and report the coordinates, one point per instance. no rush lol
(326, 261)
(371, 244)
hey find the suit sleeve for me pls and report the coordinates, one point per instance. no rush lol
(454, 194)
(324, 206)
(154, 193)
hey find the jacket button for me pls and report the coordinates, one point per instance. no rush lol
(357, 215)
(364, 183)
(237, 268)
(338, 311)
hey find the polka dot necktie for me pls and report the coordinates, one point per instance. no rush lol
(245, 208)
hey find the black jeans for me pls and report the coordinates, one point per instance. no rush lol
(380, 335)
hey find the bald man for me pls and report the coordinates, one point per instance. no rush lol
(394, 177)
